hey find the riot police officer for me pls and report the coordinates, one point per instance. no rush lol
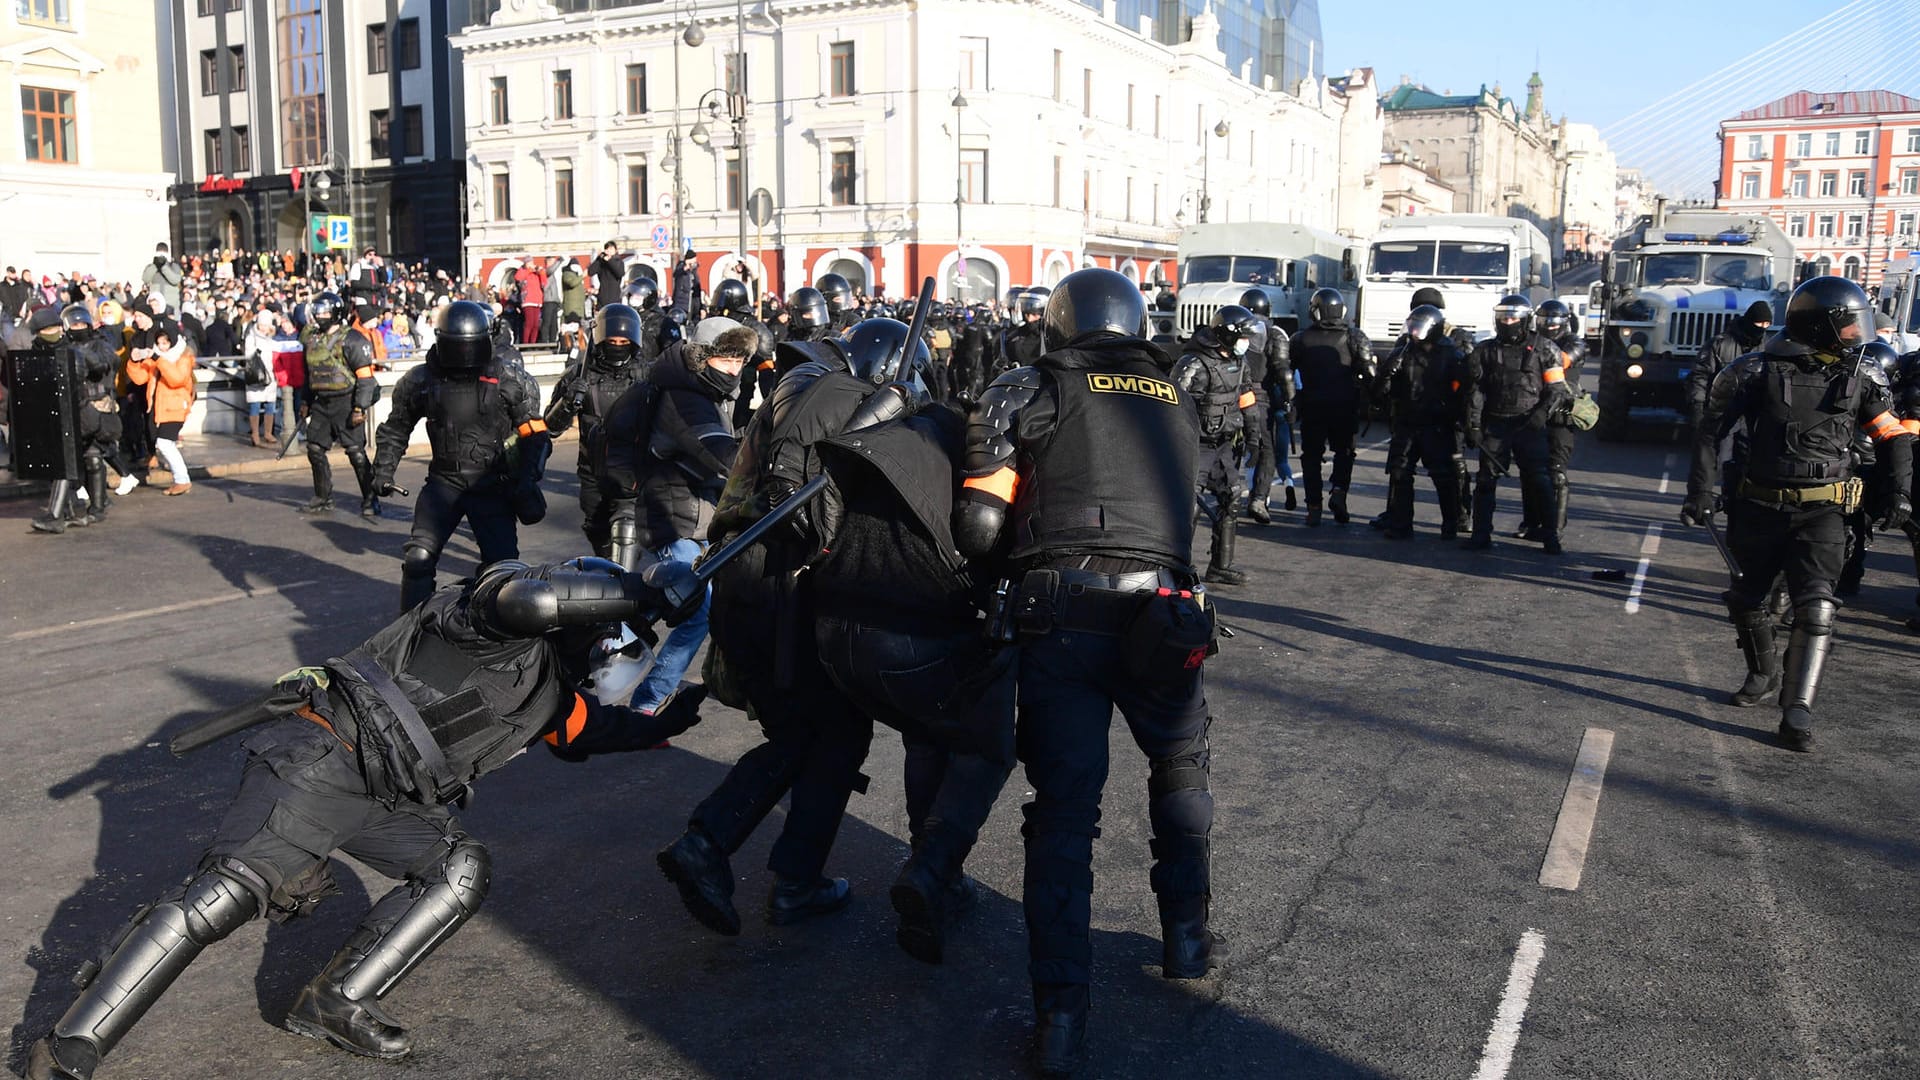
(473, 402)
(1516, 382)
(1879, 364)
(838, 292)
(1271, 378)
(1022, 343)
(812, 319)
(341, 392)
(367, 754)
(1741, 336)
(1557, 324)
(1423, 381)
(587, 390)
(643, 296)
(1801, 400)
(1100, 541)
(1335, 364)
(49, 383)
(1213, 373)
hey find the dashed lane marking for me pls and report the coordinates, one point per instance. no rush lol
(1649, 547)
(165, 609)
(1567, 850)
(1504, 1035)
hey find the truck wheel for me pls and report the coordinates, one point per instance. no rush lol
(1612, 398)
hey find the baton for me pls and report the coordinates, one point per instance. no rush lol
(298, 430)
(713, 561)
(904, 363)
(1726, 556)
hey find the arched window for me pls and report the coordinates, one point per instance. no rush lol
(855, 274)
(1850, 268)
(982, 282)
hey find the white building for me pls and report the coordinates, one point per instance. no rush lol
(1032, 138)
(1588, 193)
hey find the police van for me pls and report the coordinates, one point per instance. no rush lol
(1220, 261)
(1473, 259)
(1899, 299)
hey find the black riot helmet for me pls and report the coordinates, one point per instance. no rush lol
(808, 307)
(1909, 367)
(1883, 357)
(1553, 319)
(642, 294)
(1512, 319)
(1256, 301)
(1424, 323)
(1232, 325)
(1032, 302)
(873, 345)
(837, 290)
(1093, 301)
(463, 342)
(78, 324)
(1427, 296)
(616, 333)
(730, 297)
(1829, 315)
(1327, 309)
(324, 310)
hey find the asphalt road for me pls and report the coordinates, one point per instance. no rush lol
(1395, 728)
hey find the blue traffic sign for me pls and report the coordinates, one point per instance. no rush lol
(662, 236)
(339, 231)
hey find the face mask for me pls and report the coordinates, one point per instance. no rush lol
(721, 382)
(1240, 347)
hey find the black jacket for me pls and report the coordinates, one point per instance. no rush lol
(669, 449)
(607, 274)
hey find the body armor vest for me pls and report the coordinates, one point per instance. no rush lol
(1512, 377)
(468, 425)
(1117, 474)
(327, 370)
(1423, 388)
(603, 387)
(1802, 432)
(1218, 396)
(1326, 363)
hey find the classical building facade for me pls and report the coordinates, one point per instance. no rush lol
(1589, 178)
(1840, 172)
(985, 143)
(83, 166)
(283, 109)
(1498, 158)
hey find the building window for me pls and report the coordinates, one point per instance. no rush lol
(210, 70)
(1823, 226)
(502, 197)
(1156, 116)
(1056, 181)
(1910, 181)
(377, 49)
(563, 192)
(973, 175)
(380, 127)
(841, 184)
(413, 131)
(636, 89)
(1086, 92)
(1856, 226)
(1863, 142)
(1797, 225)
(237, 72)
(206, 6)
(408, 46)
(45, 12)
(1129, 214)
(1850, 268)
(637, 188)
(973, 63)
(733, 179)
(1753, 147)
(1856, 183)
(1750, 186)
(1803, 145)
(497, 100)
(1829, 185)
(1904, 227)
(46, 116)
(1798, 186)
(1059, 61)
(1129, 106)
(1913, 140)
(1153, 212)
(840, 69)
(303, 83)
(216, 161)
(563, 95)
(1833, 144)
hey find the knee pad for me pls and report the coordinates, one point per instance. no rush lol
(1055, 818)
(356, 457)
(1815, 615)
(1745, 609)
(418, 560)
(468, 874)
(220, 901)
(1188, 772)
(316, 454)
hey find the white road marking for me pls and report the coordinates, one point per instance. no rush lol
(1504, 1035)
(1567, 850)
(1666, 478)
(165, 609)
(1649, 547)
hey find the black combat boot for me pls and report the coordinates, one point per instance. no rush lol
(324, 1012)
(369, 502)
(1337, 502)
(1482, 537)
(59, 500)
(1188, 950)
(1257, 509)
(98, 497)
(1448, 493)
(1059, 1029)
(1313, 515)
(1220, 569)
(795, 901)
(1800, 676)
(322, 501)
(700, 870)
(1755, 632)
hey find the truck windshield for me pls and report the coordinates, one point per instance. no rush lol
(1414, 259)
(1677, 269)
(1451, 260)
(1473, 261)
(1739, 272)
(1246, 269)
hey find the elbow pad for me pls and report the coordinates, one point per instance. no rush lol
(979, 522)
(531, 606)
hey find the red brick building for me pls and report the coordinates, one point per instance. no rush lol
(1839, 172)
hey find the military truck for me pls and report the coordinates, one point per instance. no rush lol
(1899, 298)
(1671, 283)
(1220, 261)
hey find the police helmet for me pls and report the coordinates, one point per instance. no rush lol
(642, 294)
(1256, 301)
(1032, 301)
(1424, 322)
(76, 321)
(1232, 324)
(324, 310)
(730, 296)
(1512, 319)
(462, 340)
(837, 291)
(1553, 319)
(808, 308)
(616, 333)
(1829, 314)
(1427, 296)
(873, 345)
(1093, 301)
(1909, 367)
(1327, 309)
(1880, 357)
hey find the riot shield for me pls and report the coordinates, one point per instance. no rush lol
(43, 405)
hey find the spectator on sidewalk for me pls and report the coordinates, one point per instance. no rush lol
(609, 272)
(573, 292)
(14, 294)
(164, 276)
(553, 288)
(263, 391)
(532, 281)
(167, 372)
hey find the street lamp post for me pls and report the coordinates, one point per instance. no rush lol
(694, 38)
(703, 136)
(1206, 162)
(959, 201)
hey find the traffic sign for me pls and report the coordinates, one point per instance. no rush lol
(339, 231)
(760, 207)
(663, 205)
(662, 237)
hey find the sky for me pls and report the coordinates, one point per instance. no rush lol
(1599, 69)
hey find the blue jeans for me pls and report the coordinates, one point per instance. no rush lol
(676, 652)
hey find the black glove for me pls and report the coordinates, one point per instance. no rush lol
(1697, 509)
(383, 488)
(529, 504)
(1537, 420)
(1892, 510)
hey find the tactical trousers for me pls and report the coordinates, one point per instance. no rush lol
(1412, 445)
(1807, 544)
(596, 510)
(1507, 440)
(136, 430)
(436, 513)
(329, 421)
(1260, 451)
(1321, 430)
(1070, 683)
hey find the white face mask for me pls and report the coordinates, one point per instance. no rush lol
(1240, 347)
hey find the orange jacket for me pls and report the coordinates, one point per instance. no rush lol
(172, 380)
